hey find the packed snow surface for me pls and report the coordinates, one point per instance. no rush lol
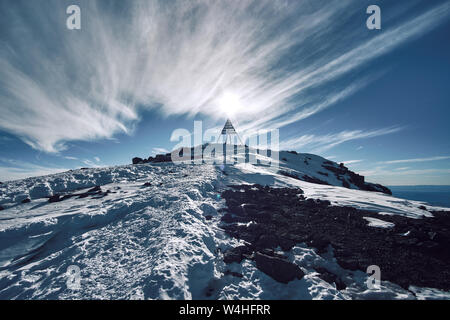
(161, 241)
(378, 223)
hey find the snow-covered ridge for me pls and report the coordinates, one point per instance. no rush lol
(302, 166)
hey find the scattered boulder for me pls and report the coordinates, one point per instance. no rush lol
(20, 197)
(157, 159)
(161, 158)
(345, 184)
(232, 273)
(236, 254)
(354, 178)
(137, 160)
(54, 198)
(147, 184)
(281, 270)
(303, 178)
(27, 200)
(95, 189)
(331, 278)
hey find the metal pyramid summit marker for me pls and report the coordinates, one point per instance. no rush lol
(228, 128)
(228, 131)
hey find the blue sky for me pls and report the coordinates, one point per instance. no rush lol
(377, 100)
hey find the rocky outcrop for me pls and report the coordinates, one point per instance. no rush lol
(358, 180)
(279, 269)
(95, 192)
(157, 159)
(137, 160)
(412, 252)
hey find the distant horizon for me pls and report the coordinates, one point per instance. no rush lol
(420, 185)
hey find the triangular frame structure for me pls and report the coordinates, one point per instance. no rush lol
(229, 131)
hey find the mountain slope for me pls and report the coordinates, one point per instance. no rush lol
(302, 166)
(154, 231)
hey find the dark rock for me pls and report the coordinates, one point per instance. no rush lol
(313, 180)
(345, 184)
(286, 244)
(331, 278)
(281, 270)
(208, 217)
(228, 218)
(54, 198)
(236, 254)
(1, 208)
(303, 178)
(319, 242)
(232, 273)
(27, 200)
(147, 184)
(137, 160)
(95, 189)
(161, 158)
(375, 187)
(267, 241)
(354, 178)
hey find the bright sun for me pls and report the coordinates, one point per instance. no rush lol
(230, 103)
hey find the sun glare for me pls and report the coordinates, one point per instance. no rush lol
(230, 103)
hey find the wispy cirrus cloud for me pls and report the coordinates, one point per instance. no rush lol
(276, 62)
(352, 161)
(11, 169)
(159, 151)
(414, 160)
(322, 143)
(90, 163)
